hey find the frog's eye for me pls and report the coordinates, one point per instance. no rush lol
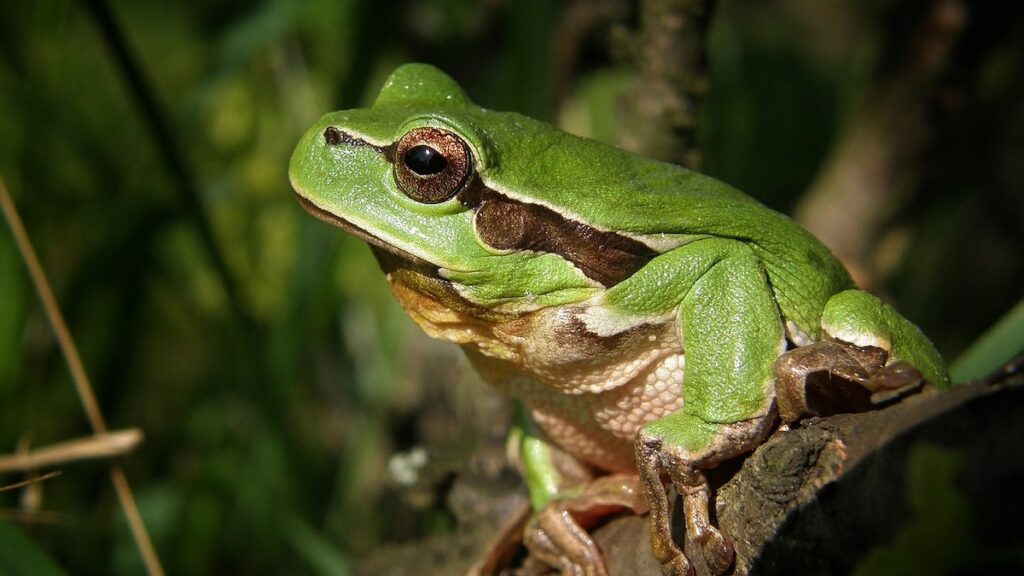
(431, 165)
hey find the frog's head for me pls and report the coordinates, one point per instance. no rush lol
(446, 190)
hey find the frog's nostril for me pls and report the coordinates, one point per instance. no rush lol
(333, 136)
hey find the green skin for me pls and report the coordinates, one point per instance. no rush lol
(740, 281)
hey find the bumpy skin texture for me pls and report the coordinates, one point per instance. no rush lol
(638, 309)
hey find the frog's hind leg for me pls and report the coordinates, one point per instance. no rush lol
(868, 355)
(567, 501)
(558, 533)
(830, 377)
(732, 333)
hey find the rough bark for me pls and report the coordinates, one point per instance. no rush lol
(853, 489)
(930, 483)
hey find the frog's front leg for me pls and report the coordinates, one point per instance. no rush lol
(732, 333)
(669, 449)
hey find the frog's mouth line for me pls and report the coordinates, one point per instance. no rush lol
(504, 223)
(401, 258)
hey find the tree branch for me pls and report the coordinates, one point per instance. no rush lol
(846, 490)
(669, 52)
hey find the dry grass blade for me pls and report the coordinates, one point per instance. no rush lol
(30, 481)
(79, 377)
(105, 445)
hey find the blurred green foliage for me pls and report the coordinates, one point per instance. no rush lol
(20, 556)
(940, 537)
(269, 417)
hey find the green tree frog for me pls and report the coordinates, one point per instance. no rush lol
(653, 321)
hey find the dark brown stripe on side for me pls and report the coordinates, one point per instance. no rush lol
(606, 257)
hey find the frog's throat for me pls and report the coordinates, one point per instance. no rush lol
(407, 260)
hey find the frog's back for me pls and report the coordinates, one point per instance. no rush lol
(663, 205)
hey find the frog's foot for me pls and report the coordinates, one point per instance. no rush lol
(682, 456)
(554, 537)
(832, 376)
(558, 535)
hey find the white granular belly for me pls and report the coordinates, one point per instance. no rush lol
(598, 428)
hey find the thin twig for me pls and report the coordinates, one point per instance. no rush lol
(103, 445)
(31, 481)
(32, 516)
(81, 380)
(669, 54)
(60, 328)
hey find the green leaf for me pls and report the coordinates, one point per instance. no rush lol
(319, 554)
(20, 556)
(1001, 342)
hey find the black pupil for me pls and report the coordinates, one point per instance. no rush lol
(424, 160)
